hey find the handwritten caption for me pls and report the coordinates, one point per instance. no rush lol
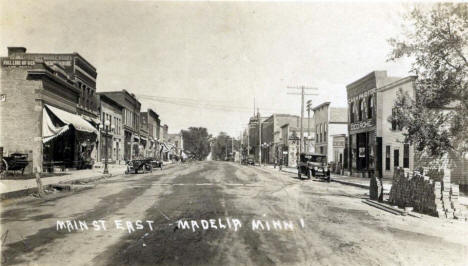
(233, 224)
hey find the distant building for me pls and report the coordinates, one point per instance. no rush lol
(254, 135)
(150, 120)
(176, 142)
(328, 121)
(111, 111)
(271, 134)
(340, 150)
(130, 119)
(289, 150)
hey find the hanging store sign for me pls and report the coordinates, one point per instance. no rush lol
(361, 125)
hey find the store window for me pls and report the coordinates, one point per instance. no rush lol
(396, 158)
(387, 158)
(370, 105)
(406, 156)
(361, 108)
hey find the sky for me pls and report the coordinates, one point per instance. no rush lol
(204, 64)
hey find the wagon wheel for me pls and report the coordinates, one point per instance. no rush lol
(3, 168)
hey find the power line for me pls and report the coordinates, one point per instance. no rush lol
(203, 105)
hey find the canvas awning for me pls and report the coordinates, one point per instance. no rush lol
(164, 147)
(50, 131)
(91, 119)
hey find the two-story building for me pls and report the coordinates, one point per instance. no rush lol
(130, 121)
(328, 121)
(111, 111)
(38, 111)
(376, 145)
(271, 134)
(150, 121)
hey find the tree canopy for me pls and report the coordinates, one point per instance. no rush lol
(197, 142)
(436, 38)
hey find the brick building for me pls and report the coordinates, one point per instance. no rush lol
(376, 144)
(130, 121)
(271, 133)
(254, 135)
(151, 122)
(111, 111)
(328, 121)
(38, 111)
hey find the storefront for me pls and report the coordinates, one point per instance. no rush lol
(68, 139)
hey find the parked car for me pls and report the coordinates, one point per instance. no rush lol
(313, 165)
(248, 161)
(157, 163)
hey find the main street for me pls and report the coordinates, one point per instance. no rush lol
(337, 227)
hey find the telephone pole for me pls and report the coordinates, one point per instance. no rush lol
(259, 137)
(309, 108)
(302, 93)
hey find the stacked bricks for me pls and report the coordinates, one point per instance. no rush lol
(425, 195)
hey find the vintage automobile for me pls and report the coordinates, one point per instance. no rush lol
(139, 166)
(157, 163)
(248, 160)
(313, 165)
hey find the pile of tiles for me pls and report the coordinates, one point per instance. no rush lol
(437, 198)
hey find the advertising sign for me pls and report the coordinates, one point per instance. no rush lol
(362, 152)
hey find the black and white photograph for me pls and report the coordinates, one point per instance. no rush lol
(145, 132)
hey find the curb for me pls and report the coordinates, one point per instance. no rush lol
(28, 191)
(350, 184)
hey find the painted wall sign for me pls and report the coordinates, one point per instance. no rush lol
(339, 143)
(361, 124)
(9, 62)
(362, 95)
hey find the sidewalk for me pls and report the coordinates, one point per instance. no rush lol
(9, 187)
(345, 180)
(362, 182)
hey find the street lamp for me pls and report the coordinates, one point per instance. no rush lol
(106, 127)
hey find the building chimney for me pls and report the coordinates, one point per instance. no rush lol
(16, 50)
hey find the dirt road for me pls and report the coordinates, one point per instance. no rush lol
(202, 214)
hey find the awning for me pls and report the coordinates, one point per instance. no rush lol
(71, 119)
(164, 147)
(91, 119)
(49, 131)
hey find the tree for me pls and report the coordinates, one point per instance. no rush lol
(436, 119)
(221, 146)
(197, 142)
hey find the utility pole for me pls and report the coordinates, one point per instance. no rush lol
(259, 137)
(309, 108)
(302, 88)
(248, 140)
(226, 148)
